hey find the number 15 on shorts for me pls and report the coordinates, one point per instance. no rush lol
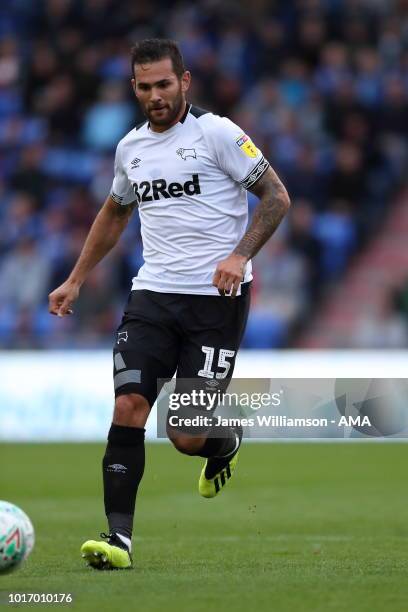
(223, 364)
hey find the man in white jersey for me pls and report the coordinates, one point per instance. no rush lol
(187, 170)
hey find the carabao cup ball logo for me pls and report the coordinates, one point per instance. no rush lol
(382, 400)
(16, 536)
(12, 544)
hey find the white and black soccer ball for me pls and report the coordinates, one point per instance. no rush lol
(16, 536)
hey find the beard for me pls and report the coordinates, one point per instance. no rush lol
(167, 113)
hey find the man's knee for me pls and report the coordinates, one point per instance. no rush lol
(186, 444)
(131, 410)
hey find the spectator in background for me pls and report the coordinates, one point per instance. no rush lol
(335, 232)
(303, 241)
(57, 102)
(9, 62)
(113, 112)
(347, 181)
(24, 275)
(99, 304)
(19, 219)
(29, 177)
(382, 328)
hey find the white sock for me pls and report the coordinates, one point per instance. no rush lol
(126, 541)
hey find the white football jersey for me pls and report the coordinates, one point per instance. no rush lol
(190, 185)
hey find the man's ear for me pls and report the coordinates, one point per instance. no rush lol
(133, 86)
(185, 81)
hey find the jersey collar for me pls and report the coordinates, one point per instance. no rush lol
(183, 118)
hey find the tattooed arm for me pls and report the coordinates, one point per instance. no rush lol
(273, 205)
(103, 235)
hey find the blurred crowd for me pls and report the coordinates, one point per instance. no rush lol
(320, 85)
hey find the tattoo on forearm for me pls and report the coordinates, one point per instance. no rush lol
(273, 205)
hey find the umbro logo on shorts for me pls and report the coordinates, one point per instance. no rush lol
(158, 189)
(117, 467)
(212, 383)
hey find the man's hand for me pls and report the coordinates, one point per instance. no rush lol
(229, 274)
(62, 298)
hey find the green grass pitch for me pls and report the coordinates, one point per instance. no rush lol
(301, 527)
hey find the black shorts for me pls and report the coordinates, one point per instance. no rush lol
(161, 333)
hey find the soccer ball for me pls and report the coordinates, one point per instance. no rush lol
(16, 536)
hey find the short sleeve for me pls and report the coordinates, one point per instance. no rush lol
(121, 191)
(237, 154)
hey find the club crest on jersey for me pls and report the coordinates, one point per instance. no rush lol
(184, 153)
(122, 336)
(247, 146)
(135, 163)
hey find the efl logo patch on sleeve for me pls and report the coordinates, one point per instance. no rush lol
(247, 146)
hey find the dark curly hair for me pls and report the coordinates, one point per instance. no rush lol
(156, 49)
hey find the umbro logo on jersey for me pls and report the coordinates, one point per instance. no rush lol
(184, 153)
(135, 163)
(158, 189)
